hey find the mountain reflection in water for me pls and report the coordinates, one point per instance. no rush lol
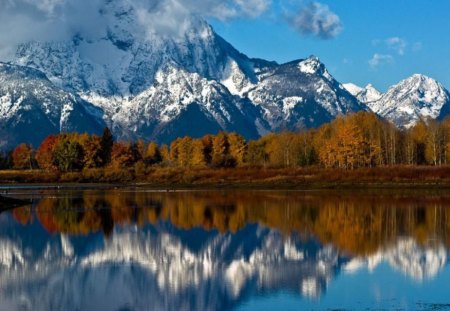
(139, 250)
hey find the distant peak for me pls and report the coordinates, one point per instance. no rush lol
(352, 88)
(313, 58)
(311, 65)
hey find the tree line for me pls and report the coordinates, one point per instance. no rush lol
(359, 140)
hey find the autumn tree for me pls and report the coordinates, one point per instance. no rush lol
(23, 157)
(237, 148)
(122, 155)
(152, 154)
(220, 150)
(207, 142)
(435, 143)
(198, 154)
(185, 149)
(68, 154)
(418, 136)
(165, 153)
(45, 156)
(92, 151)
(256, 153)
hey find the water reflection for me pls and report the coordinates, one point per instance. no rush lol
(138, 250)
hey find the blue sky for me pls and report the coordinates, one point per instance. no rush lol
(401, 37)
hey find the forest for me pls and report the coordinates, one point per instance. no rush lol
(349, 143)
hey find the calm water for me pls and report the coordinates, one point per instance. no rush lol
(233, 250)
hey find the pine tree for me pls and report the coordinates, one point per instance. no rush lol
(107, 145)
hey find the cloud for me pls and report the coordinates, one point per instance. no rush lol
(54, 20)
(397, 44)
(379, 59)
(316, 19)
(254, 8)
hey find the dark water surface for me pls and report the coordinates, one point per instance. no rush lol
(131, 249)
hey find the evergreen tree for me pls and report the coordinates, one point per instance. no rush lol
(106, 146)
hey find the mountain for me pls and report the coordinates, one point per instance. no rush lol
(157, 86)
(416, 98)
(365, 95)
(31, 107)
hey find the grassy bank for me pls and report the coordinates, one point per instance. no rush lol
(302, 178)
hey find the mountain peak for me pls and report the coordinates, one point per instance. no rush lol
(311, 65)
(415, 98)
(364, 95)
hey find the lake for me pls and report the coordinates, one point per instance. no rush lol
(132, 249)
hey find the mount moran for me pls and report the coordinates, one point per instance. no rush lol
(159, 87)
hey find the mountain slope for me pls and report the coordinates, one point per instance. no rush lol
(158, 87)
(364, 95)
(413, 99)
(301, 94)
(31, 108)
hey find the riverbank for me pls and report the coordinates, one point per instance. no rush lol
(251, 178)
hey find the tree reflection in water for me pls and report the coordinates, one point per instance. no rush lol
(358, 224)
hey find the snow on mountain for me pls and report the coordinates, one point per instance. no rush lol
(31, 108)
(155, 86)
(353, 88)
(166, 268)
(364, 95)
(301, 94)
(416, 98)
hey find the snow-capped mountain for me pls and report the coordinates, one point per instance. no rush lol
(416, 98)
(31, 107)
(300, 94)
(365, 95)
(158, 87)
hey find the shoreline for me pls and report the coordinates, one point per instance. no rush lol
(400, 177)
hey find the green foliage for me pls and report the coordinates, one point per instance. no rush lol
(68, 155)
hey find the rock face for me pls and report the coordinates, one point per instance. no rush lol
(158, 87)
(31, 107)
(416, 98)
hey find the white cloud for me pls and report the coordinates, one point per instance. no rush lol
(45, 20)
(397, 44)
(379, 59)
(254, 8)
(318, 20)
